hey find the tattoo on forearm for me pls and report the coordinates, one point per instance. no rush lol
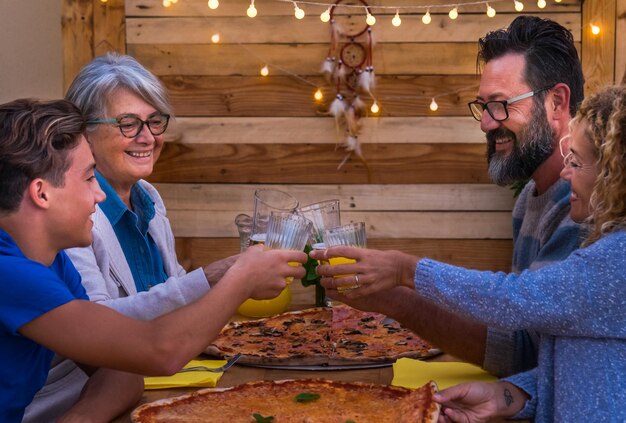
(508, 398)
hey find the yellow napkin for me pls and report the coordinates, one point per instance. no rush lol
(411, 373)
(200, 378)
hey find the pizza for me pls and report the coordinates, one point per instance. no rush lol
(301, 401)
(338, 335)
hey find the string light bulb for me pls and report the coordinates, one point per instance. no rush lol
(318, 95)
(213, 4)
(167, 3)
(215, 38)
(491, 12)
(173, 1)
(433, 105)
(265, 71)
(325, 16)
(370, 20)
(298, 13)
(519, 6)
(454, 13)
(541, 4)
(557, 1)
(426, 19)
(103, 1)
(396, 21)
(375, 107)
(251, 12)
(595, 29)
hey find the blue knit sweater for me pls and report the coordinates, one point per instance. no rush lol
(543, 233)
(578, 306)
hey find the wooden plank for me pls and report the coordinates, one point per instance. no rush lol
(384, 130)
(300, 59)
(443, 224)
(237, 198)
(492, 255)
(198, 30)
(109, 28)
(273, 8)
(317, 163)
(285, 96)
(77, 35)
(620, 43)
(598, 51)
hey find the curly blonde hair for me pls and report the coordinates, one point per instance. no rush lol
(604, 114)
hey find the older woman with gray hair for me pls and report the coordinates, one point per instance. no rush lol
(131, 265)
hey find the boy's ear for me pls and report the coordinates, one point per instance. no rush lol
(38, 193)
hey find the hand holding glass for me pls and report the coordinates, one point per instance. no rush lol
(352, 234)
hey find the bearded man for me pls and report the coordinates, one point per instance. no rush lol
(530, 87)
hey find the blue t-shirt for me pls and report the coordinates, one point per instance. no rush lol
(28, 290)
(131, 228)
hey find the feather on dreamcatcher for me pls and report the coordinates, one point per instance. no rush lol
(348, 68)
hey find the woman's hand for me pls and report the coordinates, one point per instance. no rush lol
(216, 270)
(478, 402)
(374, 270)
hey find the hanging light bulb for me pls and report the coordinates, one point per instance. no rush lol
(541, 4)
(595, 29)
(519, 6)
(213, 4)
(265, 71)
(325, 16)
(173, 1)
(318, 95)
(375, 108)
(426, 19)
(167, 3)
(454, 13)
(298, 13)
(251, 12)
(396, 21)
(491, 12)
(103, 1)
(370, 20)
(557, 1)
(433, 105)
(215, 38)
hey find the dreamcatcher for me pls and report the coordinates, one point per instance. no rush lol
(348, 68)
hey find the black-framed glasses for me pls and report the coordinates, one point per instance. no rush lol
(497, 109)
(131, 125)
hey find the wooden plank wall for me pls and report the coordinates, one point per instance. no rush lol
(423, 187)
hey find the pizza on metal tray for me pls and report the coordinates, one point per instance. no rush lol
(338, 335)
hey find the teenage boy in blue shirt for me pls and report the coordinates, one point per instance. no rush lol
(48, 193)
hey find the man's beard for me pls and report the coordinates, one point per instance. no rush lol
(534, 146)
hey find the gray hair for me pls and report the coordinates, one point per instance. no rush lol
(97, 80)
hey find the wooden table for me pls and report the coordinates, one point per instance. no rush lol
(302, 298)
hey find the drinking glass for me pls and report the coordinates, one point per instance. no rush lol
(351, 234)
(265, 202)
(324, 215)
(287, 231)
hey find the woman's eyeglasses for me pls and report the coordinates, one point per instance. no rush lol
(569, 159)
(131, 125)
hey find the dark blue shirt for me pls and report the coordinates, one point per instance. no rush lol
(28, 289)
(131, 228)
